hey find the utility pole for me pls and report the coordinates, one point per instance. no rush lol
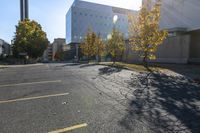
(24, 10)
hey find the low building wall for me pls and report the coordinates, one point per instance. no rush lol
(195, 47)
(175, 49)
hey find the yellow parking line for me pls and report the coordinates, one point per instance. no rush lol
(33, 98)
(69, 128)
(31, 83)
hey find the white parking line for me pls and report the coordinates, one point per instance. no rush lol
(33, 98)
(31, 83)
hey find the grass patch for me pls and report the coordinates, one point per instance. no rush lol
(134, 67)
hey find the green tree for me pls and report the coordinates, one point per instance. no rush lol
(99, 47)
(88, 46)
(29, 38)
(116, 44)
(145, 35)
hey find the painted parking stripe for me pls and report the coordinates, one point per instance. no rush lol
(31, 83)
(33, 98)
(70, 128)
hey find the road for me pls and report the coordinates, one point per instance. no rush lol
(82, 98)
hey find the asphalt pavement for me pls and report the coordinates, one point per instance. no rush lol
(55, 97)
(84, 98)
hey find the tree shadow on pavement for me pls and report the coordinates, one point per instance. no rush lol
(190, 70)
(70, 64)
(109, 70)
(87, 65)
(163, 103)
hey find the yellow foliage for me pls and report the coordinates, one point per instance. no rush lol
(92, 45)
(116, 44)
(99, 46)
(145, 35)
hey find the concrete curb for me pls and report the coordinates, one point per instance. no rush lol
(14, 66)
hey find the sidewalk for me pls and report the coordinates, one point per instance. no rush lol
(26, 65)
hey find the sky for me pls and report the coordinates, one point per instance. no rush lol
(49, 13)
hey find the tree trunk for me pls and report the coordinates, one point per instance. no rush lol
(88, 58)
(114, 60)
(99, 58)
(145, 63)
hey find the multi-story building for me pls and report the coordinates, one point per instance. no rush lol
(84, 15)
(58, 46)
(99, 18)
(54, 50)
(181, 18)
(4, 48)
(178, 13)
(47, 56)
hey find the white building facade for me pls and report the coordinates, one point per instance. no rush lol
(99, 18)
(178, 14)
(181, 18)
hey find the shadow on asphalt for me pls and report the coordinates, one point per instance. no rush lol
(163, 104)
(109, 70)
(70, 64)
(87, 65)
(190, 70)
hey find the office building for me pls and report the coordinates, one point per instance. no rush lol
(182, 14)
(181, 18)
(58, 47)
(84, 15)
(47, 55)
(5, 48)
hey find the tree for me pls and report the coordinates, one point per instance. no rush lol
(88, 46)
(30, 39)
(116, 44)
(99, 47)
(145, 35)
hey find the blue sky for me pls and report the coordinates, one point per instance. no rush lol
(49, 13)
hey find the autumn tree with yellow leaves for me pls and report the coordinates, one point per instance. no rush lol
(30, 39)
(116, 44)
(99, 47)
(88, 46)
(145, 35)
(93, 45)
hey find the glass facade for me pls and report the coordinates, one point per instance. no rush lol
(84, 15)
(69, 26)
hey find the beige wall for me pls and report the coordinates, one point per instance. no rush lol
(57, 46)
(195, 46)
(173, 50)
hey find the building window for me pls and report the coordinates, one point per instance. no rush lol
(85, 14)
(81, 13)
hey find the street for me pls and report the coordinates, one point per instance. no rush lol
(87, 98)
